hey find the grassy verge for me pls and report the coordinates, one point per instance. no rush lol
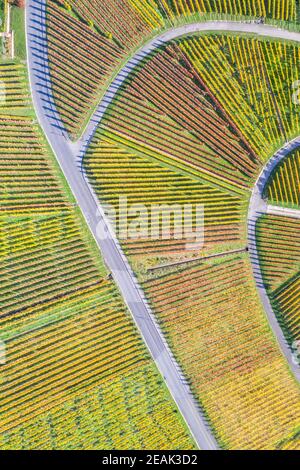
(18, 26)
(1, 15)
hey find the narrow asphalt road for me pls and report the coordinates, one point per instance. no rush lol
(69, 156)
(257, 208)
(283, 211)
(233, 26)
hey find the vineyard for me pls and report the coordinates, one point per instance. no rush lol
(143, 181)
(279, 252)
(213, 319)
(77, 374)
(279, 245)
(207, 154)
(113, 30)
(207, 143)
(196, 122)
(75, 79)
(99, 418)
(261, 74)
(279, 9)
(284, 186)
(13, 89)
(192, 125)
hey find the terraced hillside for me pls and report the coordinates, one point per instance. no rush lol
(196, 122)
(77, 374)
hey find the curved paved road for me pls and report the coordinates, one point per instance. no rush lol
(69, 156)
(258, 207)
(257, 29)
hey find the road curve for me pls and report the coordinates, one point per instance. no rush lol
(69, 156)
(258, 207)
(177, 32)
